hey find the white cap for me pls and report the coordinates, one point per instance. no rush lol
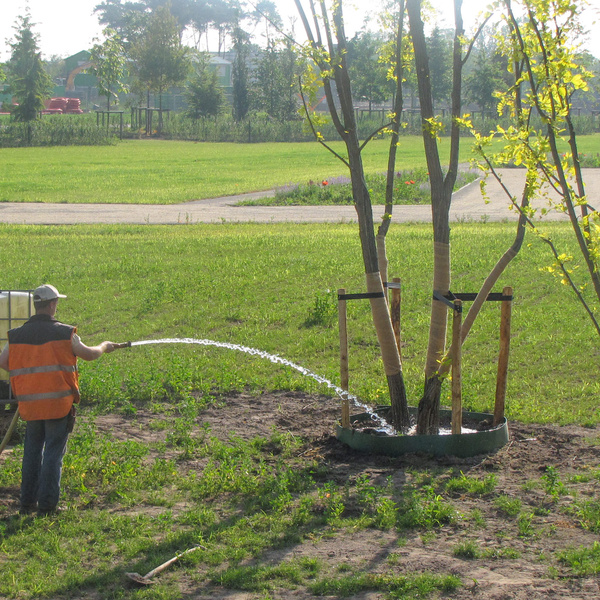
(46, 292)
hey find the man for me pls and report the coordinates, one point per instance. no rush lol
(41, 357)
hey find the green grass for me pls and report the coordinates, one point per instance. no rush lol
(216, 282)
(170, 172)
(165, 172)
(135, 504)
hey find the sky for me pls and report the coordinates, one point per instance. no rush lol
(66, 27)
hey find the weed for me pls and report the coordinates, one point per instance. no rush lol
(425, 509)
(333, 502)
(478, 519)
(525, 525)
(553, 486)
(498, 553)
(324, 310)
(472, 485)
(588, 513)
(582, 561)
(468, 549)
(397, 586)
(508, 505)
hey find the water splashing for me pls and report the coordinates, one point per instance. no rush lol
(276, 360)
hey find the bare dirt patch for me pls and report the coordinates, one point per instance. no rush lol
(519, 466)
(533, 573)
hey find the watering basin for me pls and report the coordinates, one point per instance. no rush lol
(479, 440)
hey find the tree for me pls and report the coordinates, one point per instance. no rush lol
(29, 83)
(239, 70)
(442, 185)
(276, 79)
(227, 15)
(204, 95)
(542, 51)
(367, 73)
(487, 77)
(128, 19)
(328, 49)
(160, 59)
(439, 48)
(108, 65)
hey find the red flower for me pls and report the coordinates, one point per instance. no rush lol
(325, 182)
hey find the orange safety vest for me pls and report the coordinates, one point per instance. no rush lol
(43, 368)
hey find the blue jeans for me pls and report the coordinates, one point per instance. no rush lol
(45, 445)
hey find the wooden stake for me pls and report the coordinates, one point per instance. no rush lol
(502, 378)
(456, 368)
(344, 377)
(395, 313)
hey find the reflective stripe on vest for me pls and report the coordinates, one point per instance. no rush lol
(47, 396)
(45, 369)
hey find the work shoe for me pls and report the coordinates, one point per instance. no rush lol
(27, 510)
(44, 512)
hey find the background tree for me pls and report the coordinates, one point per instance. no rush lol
(226, 18)
(204, 95)
(368, 74)
(108, 65)
(487, 76)
(239, 70)
(276, 81)
(127, 19)
(28, 81)
(440, 49)
(161, 61)
(55, 67)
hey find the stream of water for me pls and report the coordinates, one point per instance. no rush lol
(383, 425)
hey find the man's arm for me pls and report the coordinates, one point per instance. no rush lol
(4, 358)
(90, 352)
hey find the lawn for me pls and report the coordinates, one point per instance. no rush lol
(273, 286)
(167, 172)
(180, 445)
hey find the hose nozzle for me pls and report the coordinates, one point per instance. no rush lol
(123, 345)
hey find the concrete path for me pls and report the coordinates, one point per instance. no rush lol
(467, 205)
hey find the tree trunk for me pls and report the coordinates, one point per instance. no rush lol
(362, 201)
(344, 120)
(441, 197)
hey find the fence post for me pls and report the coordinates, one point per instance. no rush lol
(457, 368)
(344, 377)
(502, 377)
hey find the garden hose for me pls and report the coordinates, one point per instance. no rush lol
(10, 430)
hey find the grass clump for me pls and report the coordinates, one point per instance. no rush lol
(472, 485)
(508, 505)
(415, 586)
(582, 561)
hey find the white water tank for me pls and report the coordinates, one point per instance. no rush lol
(15, 308)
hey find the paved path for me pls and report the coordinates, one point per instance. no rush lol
(467, 205)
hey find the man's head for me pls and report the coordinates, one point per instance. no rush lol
(45, 298)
